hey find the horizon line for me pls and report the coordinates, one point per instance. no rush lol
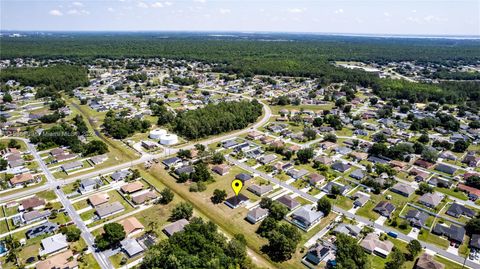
(384, 35)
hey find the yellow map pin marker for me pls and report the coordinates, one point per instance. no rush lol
(237, 186)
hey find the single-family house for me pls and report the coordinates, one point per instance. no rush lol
(260, 190)
(109, 209)
(288, 201)
(131, 247)
(426, 261)
(317, 253)
(257, 214)
(131, 226)
(53, 244)
(236, 200)
(372, 244)
(174, 227)
(44, 228)
(340, 166)
(416, 218)
(403, 189)
(132, 187)
(457, 210)
(445, 168)
(306, 217)
(221, 169)
(384, 208)
(454, 233)
(431, 200)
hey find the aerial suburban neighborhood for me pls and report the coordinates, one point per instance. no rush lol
(238, 150)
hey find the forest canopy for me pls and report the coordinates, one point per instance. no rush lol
(217, 118)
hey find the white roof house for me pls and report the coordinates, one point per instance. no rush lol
(53, 244)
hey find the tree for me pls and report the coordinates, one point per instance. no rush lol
(424, 138)
(113, 233)
(473, 226)
(218, 196)
(349, 254)
(7, 98)
(424, 187)
(324, 206)
(72, 233)
(309, 133)
(414, 247)
(201, 173)
(3, 164)
(95, 147)
(317, 122)
(330, 137)
(282, 242)
(378, 149)
(396, 261)
(473, 181)
(183, 177)
(218, 158)
(182, 211)
(199, 245)
(166, 196)
(429, 155)
(268, 224)
(184, 154)
(277, 210)
(460, 146)
(13, 144)
(304, 155)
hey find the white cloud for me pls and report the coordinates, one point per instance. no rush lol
(224, 11)
(338, 11)
(168, 3)
(429, 18)
(200, 1)
(142, 5)
(296, 10)
(110, 9)
(78, 4)
(414, 11)
(157, 5)
(386, 14)
(55, 12)
(78, 12)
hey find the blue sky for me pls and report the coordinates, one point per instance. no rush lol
(427, 17)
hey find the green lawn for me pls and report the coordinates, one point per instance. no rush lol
(448, 263)
(47, 195)
(427, 237)
(88, 262)
(453, 193)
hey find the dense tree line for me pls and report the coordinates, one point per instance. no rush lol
(120, 127)
(216, 119)
(65, 135)
(199, 245)
(443, 93)
(50, 80)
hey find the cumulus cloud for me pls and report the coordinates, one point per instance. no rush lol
(110, 9)
(386, 14)
(55, 12)
(78, 12)
(296, 10)
(338, 11)
(142, 5)
(168, 3)
(224, 11)
(200, 1)
(78, 4)
(157, 5)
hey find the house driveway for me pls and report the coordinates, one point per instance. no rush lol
(381, 220)
(414, 233)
